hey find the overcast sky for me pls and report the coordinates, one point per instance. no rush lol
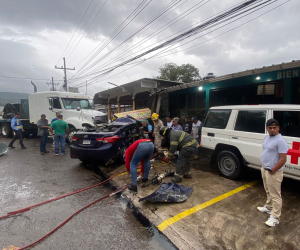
(35, 33)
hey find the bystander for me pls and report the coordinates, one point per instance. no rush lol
(187, 125)
(17, 128)
(61, 128)
(195, 128)
(176, 125)
(43, 133)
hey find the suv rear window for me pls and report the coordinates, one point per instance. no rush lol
(217, 118)
(289, 122)
(251, 121)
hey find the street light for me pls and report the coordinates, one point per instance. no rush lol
(257, 78)
(200, 88)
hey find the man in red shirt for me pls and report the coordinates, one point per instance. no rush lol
(139, 151)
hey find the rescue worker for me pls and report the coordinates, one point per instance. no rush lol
(158, 124)
(17, 127)
(139, 151)
(186, 145)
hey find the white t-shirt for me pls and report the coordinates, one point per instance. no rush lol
(169, 124)
(195, 128)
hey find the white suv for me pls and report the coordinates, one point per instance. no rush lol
(235, 135)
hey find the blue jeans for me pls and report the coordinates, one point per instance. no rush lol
(143, 152)
(198, 149)
(43, 142)
(59, 139)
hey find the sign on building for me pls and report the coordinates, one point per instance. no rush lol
(266, 89)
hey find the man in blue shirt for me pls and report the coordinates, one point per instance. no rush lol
(147, 128)
(17, 128)
(176, 125)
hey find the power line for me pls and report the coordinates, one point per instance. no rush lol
(27, 78)
(95, 79)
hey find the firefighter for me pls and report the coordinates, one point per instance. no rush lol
(158, 124)
(186, 145)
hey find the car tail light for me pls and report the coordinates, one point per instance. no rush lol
(108, 139)
(74, 138)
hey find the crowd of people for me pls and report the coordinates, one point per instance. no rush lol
(58, 128)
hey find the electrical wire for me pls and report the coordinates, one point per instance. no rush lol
(207, 40)
(189, 33)
(27, 78)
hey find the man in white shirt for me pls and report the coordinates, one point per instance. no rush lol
(195, 127)
(169, 122)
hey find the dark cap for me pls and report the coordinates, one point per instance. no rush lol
(43, 115)
(272, 121)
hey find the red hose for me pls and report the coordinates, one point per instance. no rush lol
(57, 198)
(59, 226)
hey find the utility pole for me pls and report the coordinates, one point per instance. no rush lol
(53, 84)
(65, 71)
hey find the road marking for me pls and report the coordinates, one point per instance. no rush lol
(197, 208)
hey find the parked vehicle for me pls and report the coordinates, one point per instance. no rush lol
(108, 143)
(234, 135)
(74, 107)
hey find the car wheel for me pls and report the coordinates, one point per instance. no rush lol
(121, 157)
(71, 132)
(6, 130)
(230, 164)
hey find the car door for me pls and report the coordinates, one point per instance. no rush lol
(289, 121)
(248, 134)
(214, 128)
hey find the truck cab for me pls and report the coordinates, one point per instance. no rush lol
(74, 107)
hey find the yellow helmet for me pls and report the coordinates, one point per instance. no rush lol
(154, 117)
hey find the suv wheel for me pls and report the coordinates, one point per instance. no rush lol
(229, 164)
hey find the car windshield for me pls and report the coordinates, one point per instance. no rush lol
(73, 103)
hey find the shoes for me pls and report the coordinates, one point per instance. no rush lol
(176, 179)
(144, 179)
(264, 209)
(46, 151)
(132, 188)
(187, 175)
(64, 153)
(11, 146)
(272, 221)
(42, 153)
(56, 154)
(23, 147)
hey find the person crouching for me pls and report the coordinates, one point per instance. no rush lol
(139, 151)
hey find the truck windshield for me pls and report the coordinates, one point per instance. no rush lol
(73, 103)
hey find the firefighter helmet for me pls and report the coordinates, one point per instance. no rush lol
(154, 117)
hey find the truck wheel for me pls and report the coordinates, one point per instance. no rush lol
(230, 164)
(6, 130)
(71, 132)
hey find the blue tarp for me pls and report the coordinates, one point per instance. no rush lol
(169, 192)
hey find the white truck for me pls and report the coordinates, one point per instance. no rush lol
(74, 107)
(235, 134)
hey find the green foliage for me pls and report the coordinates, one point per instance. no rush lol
(186, 73)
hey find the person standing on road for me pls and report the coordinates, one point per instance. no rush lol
(273, 158)
(61, 128)
(169, 123)
(187, 126)
(53, 120)
(147, 129)
(185, 144)
(17, 128)
(157, 125)
(176, 125)
(195, 128)
(139, 151)
(43, 133)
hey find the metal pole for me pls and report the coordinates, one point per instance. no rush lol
(52, 84)
(65, 70)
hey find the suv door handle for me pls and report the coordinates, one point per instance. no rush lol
(235, 138)
(211, 134)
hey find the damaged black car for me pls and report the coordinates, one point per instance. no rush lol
(106, 144)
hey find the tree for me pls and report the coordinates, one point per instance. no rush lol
(186, 73)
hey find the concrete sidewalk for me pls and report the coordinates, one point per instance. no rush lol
(220, 213)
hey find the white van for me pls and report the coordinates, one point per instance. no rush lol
(235, 135)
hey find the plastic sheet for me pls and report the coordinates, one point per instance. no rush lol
(169, 192)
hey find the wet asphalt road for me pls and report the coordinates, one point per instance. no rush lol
(27, 178)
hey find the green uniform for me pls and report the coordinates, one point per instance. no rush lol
(186, 144)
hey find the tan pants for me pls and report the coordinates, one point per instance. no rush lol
(157, 142)
(272, 185)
